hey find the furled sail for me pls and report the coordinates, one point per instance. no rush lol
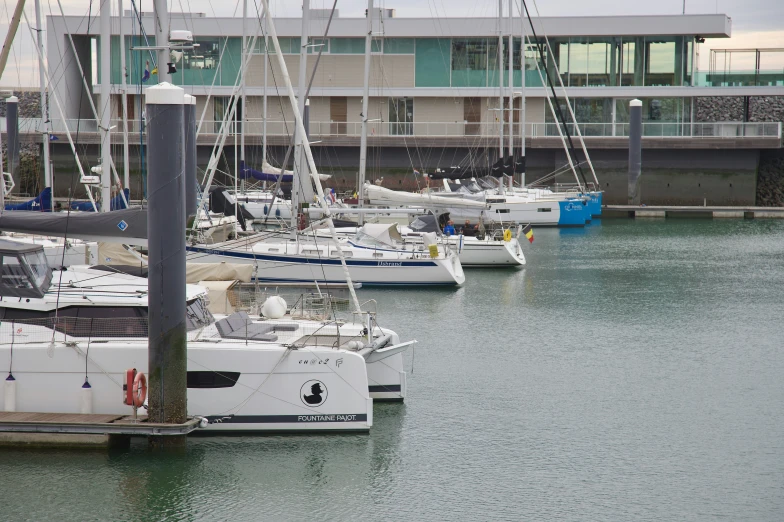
(270, 173)
(382, 196)
(128, 226)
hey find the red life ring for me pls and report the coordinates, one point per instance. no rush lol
(130, 375)
(139, 389)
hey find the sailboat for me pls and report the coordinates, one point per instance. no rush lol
(301, 258)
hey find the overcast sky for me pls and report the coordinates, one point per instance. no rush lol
(755, 23)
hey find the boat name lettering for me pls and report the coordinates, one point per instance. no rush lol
(390, 263)
(326, 418)
(313, 361)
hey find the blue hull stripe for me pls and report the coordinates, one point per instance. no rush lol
(364, 283)
(312, 261)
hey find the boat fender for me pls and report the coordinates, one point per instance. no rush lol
(274, 307)
(130, 375)
(10, 394)
(139, 390)
(86, 398)
(507, 235)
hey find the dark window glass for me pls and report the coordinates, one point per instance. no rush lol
(209, 379)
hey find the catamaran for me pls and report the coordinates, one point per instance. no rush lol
(67, 331)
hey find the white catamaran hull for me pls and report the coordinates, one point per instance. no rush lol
(274, 388)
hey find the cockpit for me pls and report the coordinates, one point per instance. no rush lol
(24, 271)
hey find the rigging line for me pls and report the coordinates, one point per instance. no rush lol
(572, 150)
(568, 104)
(307, 91)
(215, 77)
(92, 105)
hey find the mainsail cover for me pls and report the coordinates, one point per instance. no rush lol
(383, 196)
(270, 173)
(128, 226)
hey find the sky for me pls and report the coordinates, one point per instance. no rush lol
(755, 23)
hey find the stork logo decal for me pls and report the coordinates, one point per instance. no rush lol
(313, 393)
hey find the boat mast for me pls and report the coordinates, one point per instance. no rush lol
(44, 97)
(242, 80)
(309, 157)
(124, 99)
(510, 91)
(364, 115)
(264, 106)
(106, 105)
(162, 27)
(522, 93)
(299, 177)
(500, 81)
(9, 38)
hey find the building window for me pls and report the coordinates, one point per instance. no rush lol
(469, 62)
(318, 45)
(398, 46)
(287, 45)
(401, 116)
(221, 107)
(348, 46)
(659, 61)
(204, 55)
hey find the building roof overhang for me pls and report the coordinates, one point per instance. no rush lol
(704, 25)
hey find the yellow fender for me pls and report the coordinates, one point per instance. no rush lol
(507, 235)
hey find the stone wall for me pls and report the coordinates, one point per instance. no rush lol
(730, 108)
(29, 104)
(770, 173)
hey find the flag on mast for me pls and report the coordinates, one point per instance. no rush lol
(529, 233)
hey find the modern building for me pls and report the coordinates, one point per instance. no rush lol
(434, 87)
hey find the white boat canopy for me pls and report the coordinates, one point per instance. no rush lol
(383, 196)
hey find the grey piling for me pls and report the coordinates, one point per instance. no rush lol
(12, 130)
(166, 277)
(635, 151)
(190, 156)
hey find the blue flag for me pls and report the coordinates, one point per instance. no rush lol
(52, 137)
(146, 75)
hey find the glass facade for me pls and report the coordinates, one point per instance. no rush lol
(461, 62)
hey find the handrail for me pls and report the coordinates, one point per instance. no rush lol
(322, 129)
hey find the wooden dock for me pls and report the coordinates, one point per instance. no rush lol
(670, 211)
(73, 429)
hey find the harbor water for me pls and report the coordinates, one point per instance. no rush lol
(633, 371)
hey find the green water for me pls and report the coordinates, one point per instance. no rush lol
(633, 371)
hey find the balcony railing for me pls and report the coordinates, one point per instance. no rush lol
(413, 130)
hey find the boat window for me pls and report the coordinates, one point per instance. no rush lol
(378, 254)
(13, 274)
(548, 209)
(502, 211)
(211, 379)
(38, 266)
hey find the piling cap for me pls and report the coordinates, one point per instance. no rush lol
(12, 99)
(165, 94)
(190, 100)
(635, 103)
